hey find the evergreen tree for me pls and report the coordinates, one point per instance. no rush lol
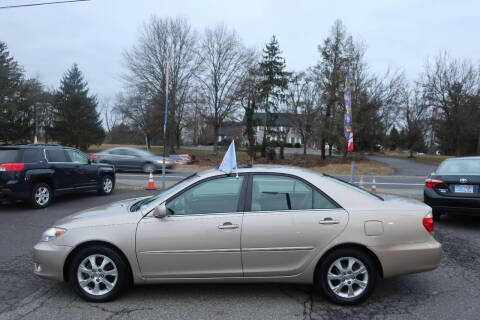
(272, 86)
(76, 121)
(16, 111)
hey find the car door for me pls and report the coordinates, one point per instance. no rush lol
(286, 224)
(200, 237)
(87, 173)
(126, 159)
(66, 175)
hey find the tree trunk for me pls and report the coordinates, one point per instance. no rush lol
(478, 143)
(215, 144)
(264, 142)
(329, 150)
(282, 146)
(304, 146)
(323, 148)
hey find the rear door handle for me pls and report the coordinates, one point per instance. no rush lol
(328, 220)
(228, 225)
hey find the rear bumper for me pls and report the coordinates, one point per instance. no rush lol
(452, 204)
(409, 258)
(14, 192)
(49, 260)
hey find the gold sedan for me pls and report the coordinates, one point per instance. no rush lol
(268, 224)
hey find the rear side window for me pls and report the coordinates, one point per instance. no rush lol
(8, 155)
(278, 193)
(30, 155)
(57, 155)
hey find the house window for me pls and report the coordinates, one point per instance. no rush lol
(292, 140)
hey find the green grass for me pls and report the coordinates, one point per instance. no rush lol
(429, 159)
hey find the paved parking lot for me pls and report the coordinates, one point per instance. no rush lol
(451, 291)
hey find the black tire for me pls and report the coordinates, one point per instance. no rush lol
(39, 193)
(107, 185)
(322, 282)
(147, 167)
(121, 279)
(436, 215)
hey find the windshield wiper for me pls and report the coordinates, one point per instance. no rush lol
(137, 204)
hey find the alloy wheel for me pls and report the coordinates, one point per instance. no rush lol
(42, 195)
(97, 275)
(347, 277)
(107, 185)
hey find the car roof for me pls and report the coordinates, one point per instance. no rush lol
(267, 168)
(30, 146)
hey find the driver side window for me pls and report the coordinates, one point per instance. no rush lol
(210, 197)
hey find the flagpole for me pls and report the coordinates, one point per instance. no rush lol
(165, 127)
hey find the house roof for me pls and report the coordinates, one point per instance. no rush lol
(276, 119)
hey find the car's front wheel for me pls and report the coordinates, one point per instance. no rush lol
(98, 274)
(346, 276)
(41, 195)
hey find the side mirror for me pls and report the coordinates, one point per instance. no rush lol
(160, 211)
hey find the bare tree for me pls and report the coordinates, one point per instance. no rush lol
(195, 118)
(136, 111)
(146, 68)
(452, 87)
(302, 98)
(225, 65)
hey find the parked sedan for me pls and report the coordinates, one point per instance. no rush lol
(132, 159)
(269, 224)
(454, 187)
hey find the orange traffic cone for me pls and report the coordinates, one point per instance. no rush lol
(151, 184)
(361, 181)
(374, 185)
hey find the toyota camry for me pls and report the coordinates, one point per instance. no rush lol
(264, 224)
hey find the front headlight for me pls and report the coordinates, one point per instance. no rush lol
(52, 233)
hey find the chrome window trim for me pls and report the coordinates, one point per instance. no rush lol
(295, 210)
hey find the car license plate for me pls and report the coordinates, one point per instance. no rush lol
(2, 169)
(463, 188)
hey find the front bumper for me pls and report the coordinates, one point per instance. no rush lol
(451, 204)
(409, 258)
(49, 260)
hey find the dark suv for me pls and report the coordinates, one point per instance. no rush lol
(39, 172)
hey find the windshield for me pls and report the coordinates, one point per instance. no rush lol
(170, 190)
(460, 166)
(354, 187)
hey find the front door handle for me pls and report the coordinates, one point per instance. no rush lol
(228, 225)
(328, 220)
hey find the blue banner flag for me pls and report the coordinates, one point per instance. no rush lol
(229, 162)
(347, 125)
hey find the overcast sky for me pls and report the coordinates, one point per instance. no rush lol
(46, 40)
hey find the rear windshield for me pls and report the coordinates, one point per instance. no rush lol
(8, 155)
(354, 187)
(460, 166)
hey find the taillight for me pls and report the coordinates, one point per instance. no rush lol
(431, 183)
(428, 222)
(93, 156)
(12, 167)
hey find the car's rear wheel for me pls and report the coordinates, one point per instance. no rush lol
(346, 276)
(41, 195)
(106, 186)
(98, 274)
